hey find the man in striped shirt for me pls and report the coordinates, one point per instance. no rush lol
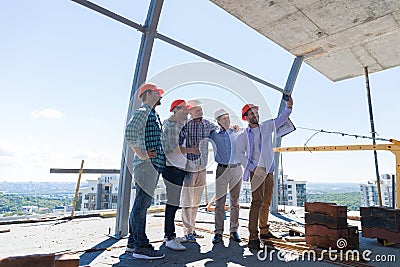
(195, 133)
(143, 134)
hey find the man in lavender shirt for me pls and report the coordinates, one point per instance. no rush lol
(254, 151)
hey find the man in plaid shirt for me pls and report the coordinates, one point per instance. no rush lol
(196, 133)
(143, 134)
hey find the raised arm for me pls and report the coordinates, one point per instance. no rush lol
(280, 120)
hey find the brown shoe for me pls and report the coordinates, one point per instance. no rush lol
(254, 244)
(269, 235)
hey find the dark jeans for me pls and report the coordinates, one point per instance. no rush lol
(146, 177)
(173, 179)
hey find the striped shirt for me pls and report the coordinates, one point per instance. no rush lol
(144, 131)
(195, 135)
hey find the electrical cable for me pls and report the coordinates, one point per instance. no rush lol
(340, 133)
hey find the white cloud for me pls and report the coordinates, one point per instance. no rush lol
(47, 113)
(5, 153)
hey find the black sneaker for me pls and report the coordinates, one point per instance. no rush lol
(254, 244)
(269, 235)
(235, 237)
(217, 239)
(196, 235)
(147, 253)
(129, 249)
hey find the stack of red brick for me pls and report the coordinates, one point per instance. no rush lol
(326, 223)
(382, 223)
(41, 260)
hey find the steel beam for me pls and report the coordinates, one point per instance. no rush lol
(294, 71)
(93, 171)
(371, 120)
(173, 42)
(110, 14)
(142, 66)
(213, 59)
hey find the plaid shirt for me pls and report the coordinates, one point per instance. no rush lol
(194, 133)
(144, 131)
(170, 135)
(170, 141)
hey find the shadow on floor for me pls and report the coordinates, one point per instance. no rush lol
(91, 254)
(219, 255)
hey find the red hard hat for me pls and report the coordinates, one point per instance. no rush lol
(149, 87)
(178, 102)
(245, 108)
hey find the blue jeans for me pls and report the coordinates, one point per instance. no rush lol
(173, 179)
(146, 177)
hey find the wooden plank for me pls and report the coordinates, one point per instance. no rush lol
(295, 239)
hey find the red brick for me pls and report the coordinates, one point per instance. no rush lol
(365, 212)
(381, 233)
(329, 221)
(322, 230)
(326, 242)
(39, 260)
(67, 260)
(392, 214)
(381, 222)
(330, 209)
(377, 212)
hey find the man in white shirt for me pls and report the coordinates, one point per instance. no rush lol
(254, 151)
(174, 172)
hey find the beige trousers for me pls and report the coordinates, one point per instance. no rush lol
(192, 192)
(261, 194)
(225, 177)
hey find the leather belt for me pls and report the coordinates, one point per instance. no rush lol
(228, 165)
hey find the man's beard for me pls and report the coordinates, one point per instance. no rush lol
(254, 121)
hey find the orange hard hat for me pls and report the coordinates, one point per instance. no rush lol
(245, 108)
(149, 87)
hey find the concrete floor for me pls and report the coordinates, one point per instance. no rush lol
(89, 238)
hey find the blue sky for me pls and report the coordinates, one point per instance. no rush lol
(66, 75)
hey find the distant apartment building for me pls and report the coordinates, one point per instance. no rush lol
(291, 192)
(369, 192)
(62, 209)
(29, 209)
(102, 193)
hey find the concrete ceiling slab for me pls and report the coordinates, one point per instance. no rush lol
(337, 37)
